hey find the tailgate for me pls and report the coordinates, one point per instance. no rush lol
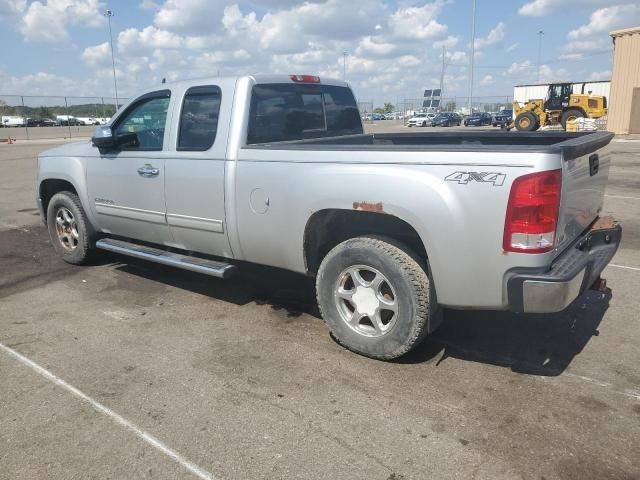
(585, 172)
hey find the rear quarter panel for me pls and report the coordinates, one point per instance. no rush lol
(460, 223)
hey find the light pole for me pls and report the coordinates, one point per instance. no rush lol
(344, 66)
(540, 34)
(442, 76)
(109, 14)
(473, 53)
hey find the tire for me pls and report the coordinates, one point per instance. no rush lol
(70, 232)
(403, 282)
(571, 114)
(526, 122)
(424, 124)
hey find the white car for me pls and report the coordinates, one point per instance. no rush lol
(421, 120)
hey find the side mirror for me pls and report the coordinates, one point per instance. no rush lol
(103, 137)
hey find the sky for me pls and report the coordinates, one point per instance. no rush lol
(394, 47)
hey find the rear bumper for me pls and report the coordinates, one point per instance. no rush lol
(571, 273)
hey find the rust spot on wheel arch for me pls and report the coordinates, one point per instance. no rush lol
(369, 207)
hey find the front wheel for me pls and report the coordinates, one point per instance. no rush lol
(375, 297)
(69, 229)
(526, 122)
(570, 115)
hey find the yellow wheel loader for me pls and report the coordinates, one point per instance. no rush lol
(560, 106)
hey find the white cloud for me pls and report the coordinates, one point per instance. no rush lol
(487, 80)
(190, 16)
(540, 8)
(494, 37)
(602, 75)
(586, 46)
(418, 23)
(604, 20)
(457, 57)
(571, 56)
(519, 67)
(133, 41)
(47, 22)
(149, 5)
(513, 46)
(375, 46)
(408, 61)
(393, 47)
(448, 43)
(98, 55)
(12, 8)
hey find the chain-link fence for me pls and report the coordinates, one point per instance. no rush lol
(405, 108)
(44, 117)
(458, 104)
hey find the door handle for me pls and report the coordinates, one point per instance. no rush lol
(148, 171)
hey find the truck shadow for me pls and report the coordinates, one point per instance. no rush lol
(531, 344)
(280, 289)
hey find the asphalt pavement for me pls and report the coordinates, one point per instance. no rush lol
(124, 369)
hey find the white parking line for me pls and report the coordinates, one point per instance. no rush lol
(622, 196)
(147, 437)
(624, 266)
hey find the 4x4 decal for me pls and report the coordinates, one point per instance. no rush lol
(463, 178)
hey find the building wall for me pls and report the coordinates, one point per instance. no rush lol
(522, 93)
(626, 76)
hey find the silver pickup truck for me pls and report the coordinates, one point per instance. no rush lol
(277, 170)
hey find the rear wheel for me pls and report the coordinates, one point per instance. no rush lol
(69, 230)
(526, 122)
(375, 297)
(571, 114)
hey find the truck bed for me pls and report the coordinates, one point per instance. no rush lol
(570, 145)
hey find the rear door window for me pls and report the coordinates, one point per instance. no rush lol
(199, 119)
(281, 112)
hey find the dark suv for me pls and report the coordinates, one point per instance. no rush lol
(446, 119)
(478, 119)
(502, 118)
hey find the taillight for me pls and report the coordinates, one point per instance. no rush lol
(532, 213)
(305, 78)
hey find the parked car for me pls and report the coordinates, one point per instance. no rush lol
(67, 120)
(504, 117)
(421, 120)
(478, 119)
(206, 175)
(40, 122)
(88, 121)
(446, 119)
(378, 116)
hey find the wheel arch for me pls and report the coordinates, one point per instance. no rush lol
(329, 227)
(48, 187)
(579, 108)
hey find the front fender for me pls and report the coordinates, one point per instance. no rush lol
(71, 169)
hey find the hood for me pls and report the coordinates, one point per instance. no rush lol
(75, 149)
